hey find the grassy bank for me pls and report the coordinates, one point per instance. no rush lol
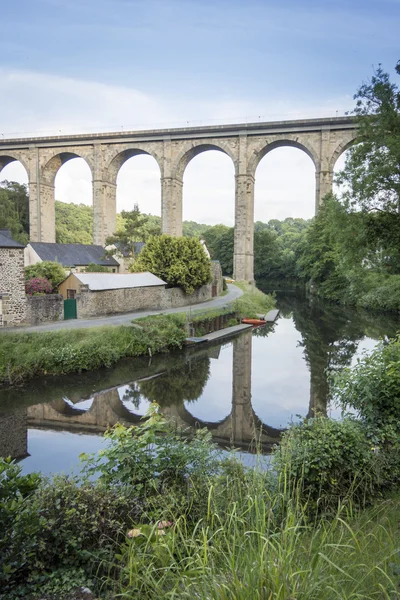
(27, 355)
(169, 518)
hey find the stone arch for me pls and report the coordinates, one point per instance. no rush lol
(340, 148)
(120, 157)
(259, 153)
(188, 153)
(9, 157)
(54, 164)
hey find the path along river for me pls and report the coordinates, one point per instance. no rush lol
(247, 388)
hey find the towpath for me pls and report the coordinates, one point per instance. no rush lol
(124, 319)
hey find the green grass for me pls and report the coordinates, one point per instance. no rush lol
(27, 355)
(243, 551)
(253, 302)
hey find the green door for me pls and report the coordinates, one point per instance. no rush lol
(69, 309)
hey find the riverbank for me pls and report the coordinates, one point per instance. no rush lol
(169, 517)
(24, 355)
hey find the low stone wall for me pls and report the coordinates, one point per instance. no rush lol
(108, 302)
(42, 309)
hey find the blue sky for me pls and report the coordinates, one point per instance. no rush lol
(77, 65)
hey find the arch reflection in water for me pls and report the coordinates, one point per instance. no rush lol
(246, 390)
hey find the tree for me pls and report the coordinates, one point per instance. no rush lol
(93, 268)
(372, 170)
(220, 242)
(74, 223)
(14, 210)
(136, 227)
(52, 271)
(179, 261)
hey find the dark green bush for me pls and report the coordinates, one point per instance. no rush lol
(328, 462)
(47, 527)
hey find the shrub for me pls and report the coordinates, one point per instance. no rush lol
(37, 286)
(154, 460)
(179, 261)
(93, 268)
(52, 271)
(372, 387)
(329, 462)
(50, 527)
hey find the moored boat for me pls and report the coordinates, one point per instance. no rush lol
(254, 321)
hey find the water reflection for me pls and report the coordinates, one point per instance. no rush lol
(245, 392)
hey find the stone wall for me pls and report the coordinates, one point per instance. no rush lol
(42, 309)
(14, 434)
(217, 276)
(12, 286)
(107, 302)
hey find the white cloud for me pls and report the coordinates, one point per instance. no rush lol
(40, 104)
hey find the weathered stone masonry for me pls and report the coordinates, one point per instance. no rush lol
(12, 286)
(246, 144)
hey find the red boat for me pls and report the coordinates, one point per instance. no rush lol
(254, 321)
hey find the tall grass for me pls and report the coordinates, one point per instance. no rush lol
(257, 544)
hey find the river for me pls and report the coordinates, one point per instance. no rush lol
(245, 391)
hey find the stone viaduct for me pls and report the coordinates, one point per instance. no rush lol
(323, 140)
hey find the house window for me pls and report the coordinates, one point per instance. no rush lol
(71, 294)
(113, 270)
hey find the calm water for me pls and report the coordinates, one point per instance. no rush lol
(249, 388)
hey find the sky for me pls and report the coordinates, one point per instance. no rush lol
(69, 66)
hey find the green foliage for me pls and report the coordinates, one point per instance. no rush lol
(193, 229)
(253, 302)
(14, 210)
(220, 243)
(372, 388)
(27, 355)
(137, 227)
(153, 459)
(93, 268)
(55, 533)
(52, 271)
(74, 223)
(331, 461)
(372, 170)
(179, 261)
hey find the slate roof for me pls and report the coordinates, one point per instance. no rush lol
(117, 281)
(6, 240)
(71, 255)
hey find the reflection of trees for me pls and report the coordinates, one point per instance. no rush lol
(176, 385)
(330, 336)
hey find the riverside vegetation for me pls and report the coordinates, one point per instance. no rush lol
(158, 514)
(27, 355)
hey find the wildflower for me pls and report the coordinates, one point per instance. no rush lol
(134, 533)
(160, 532)
(164, 524)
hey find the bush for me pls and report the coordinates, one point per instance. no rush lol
(93, 268)
(38, 286)
(52, 271)
(158, 463)
(50, 527)
(329, 462)
(179, 261)
(372, 387)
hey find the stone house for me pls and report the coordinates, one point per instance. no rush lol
(73, 257)
(12, 283)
